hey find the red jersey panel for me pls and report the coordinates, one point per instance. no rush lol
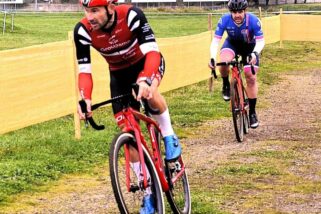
(124, 44)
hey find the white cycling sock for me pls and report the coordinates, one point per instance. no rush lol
(164, 122)
(137, 169)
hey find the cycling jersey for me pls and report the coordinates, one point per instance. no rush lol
(241, 39)
(124, 44)
(128, 41)
(248, 32)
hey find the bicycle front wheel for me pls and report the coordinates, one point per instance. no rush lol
(237, 113)
(178, 196)
(129, 200)
(246, 119)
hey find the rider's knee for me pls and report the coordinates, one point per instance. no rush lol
(224, 70)
(227, 54)
(251, 80)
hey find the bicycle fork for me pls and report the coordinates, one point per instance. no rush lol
(135, 129)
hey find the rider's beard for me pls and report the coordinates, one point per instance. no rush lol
(96, 24)
(238, 20)
(108, 19)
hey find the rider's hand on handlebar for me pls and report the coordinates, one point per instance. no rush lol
(252, 58)
(89, 113)
(145, 90)
(211, 64)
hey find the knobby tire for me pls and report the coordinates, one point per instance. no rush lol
(237, 113)
(179, 196)
(130, 202)
(246, 118)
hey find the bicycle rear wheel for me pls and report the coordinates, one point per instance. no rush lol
(130, 201)
(237, 111)
(178, 196)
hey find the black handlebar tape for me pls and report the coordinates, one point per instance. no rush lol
(135, 86)
(94, 124)
(252, 69)
(213, 70)
(223, 63)
(214, 73)
(83, 106)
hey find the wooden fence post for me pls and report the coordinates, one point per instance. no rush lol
(210, 24)
(210, 28)
(281, 42)
(75, 88)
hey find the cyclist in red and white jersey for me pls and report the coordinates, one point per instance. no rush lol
(122, 35)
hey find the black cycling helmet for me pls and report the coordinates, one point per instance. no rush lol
(237, 5)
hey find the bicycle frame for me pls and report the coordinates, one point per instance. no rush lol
(236, 74)
(131, 125)
(167, 175)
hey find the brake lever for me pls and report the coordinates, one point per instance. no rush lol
(214, 73)
(90, 120)
(252, 69)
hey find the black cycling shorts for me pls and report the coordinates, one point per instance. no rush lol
(121, 81)
(241, 48)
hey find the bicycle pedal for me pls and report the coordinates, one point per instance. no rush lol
(174, 166)
(178, 166)
(133, 188)
(171, 165)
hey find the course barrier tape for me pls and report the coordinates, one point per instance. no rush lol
(37, 83)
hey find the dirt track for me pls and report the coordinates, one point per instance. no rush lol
(294, 114)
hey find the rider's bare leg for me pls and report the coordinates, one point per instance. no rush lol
(163, 118)
(226, 55)
(252, 91)
(251, 84)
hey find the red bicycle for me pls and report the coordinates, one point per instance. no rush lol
(168, 177)
(239, 99)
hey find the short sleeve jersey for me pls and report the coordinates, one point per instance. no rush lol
(249, 31)
(124, 44)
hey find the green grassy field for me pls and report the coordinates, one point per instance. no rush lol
(31, 159)
(38, 28)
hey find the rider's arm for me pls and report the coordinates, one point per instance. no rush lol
(82, 44)
(259, 45)
(85, 83)
(259, 38)
(214, 46)
(137, 23)
(217, 37)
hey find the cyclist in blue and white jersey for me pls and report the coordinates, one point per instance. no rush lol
(245, 38)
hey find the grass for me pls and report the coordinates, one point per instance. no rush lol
(254, 184)
(37, 29)
(40, 28)
(35, 157)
